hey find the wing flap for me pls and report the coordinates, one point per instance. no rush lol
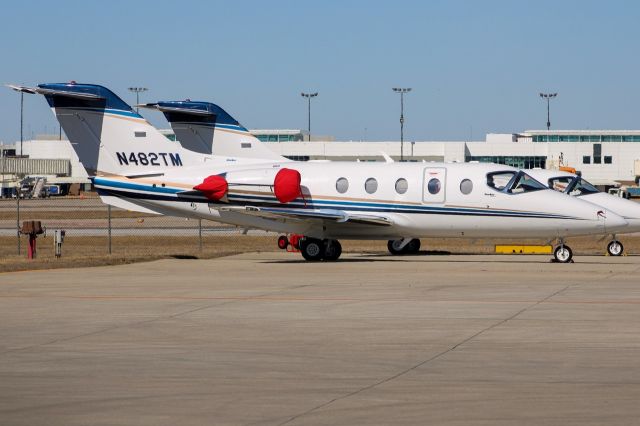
(338, 216)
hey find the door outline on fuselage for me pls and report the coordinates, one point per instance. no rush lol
(430, 173)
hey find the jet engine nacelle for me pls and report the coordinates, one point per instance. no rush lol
(214, 187)
(284, 183)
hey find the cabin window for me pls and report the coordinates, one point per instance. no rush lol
(434, 186)
(371, 185)
(401, 186)
(342, 185)
(466, 186)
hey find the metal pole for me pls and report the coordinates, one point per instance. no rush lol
(401, 126)
(548, 97)
(309, 112)
(18, 218)
(309, 96)
(21, 120)
(200, 234)
(402, 91)
(137, 91)
(109, 226)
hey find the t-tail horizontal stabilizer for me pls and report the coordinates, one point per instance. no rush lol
(206, 128)
(109, 136)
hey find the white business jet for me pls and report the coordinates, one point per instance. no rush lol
(243, 183)
(575, 185)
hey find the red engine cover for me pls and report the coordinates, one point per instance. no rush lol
(286, 185)
(213, 187)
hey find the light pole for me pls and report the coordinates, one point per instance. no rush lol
(21, 120)
(548, 97)
(22, 91)
(309, 96)
(402, 91)
(137, 91)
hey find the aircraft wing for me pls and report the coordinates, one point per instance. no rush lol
(338, 216)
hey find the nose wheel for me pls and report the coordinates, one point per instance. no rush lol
(563, 254)
(615, 248)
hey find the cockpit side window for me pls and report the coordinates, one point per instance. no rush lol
(525, 183)
(582, 187)
(500, 180)
(561, 183)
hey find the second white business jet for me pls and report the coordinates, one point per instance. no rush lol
(576, 186)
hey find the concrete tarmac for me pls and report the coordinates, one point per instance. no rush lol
(270, 339)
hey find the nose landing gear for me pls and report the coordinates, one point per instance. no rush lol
(615, 248)
(562, 253)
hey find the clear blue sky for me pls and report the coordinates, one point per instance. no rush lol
(474, 66)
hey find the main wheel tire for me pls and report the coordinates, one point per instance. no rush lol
(311, 249)
(332, 250)
(394, 247)
(563, 254)
(615, 248)
(413, 247)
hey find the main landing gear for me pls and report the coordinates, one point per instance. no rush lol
(615, 247)
(404, 246)
(562, 253)
(312, 249)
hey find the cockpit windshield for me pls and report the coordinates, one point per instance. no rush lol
(500, 180)
(513, 182)
(572, 185)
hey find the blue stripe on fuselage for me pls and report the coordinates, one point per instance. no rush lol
(171, 194)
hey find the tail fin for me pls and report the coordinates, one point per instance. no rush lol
(108, 135)
(208, 129)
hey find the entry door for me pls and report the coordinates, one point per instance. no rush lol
(434, 185)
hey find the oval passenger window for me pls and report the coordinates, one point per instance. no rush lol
(401, 186)
(434, 186)
(466, 186)
(371, 185)
(342, 185)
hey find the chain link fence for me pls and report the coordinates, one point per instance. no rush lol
(95, 229)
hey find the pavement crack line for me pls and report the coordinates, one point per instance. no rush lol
(427, 361)
(147, 321)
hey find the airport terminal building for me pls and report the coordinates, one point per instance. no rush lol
(605, 157)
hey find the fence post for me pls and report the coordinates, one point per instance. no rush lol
(18, 220)
(109, 226)
(200, 234)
